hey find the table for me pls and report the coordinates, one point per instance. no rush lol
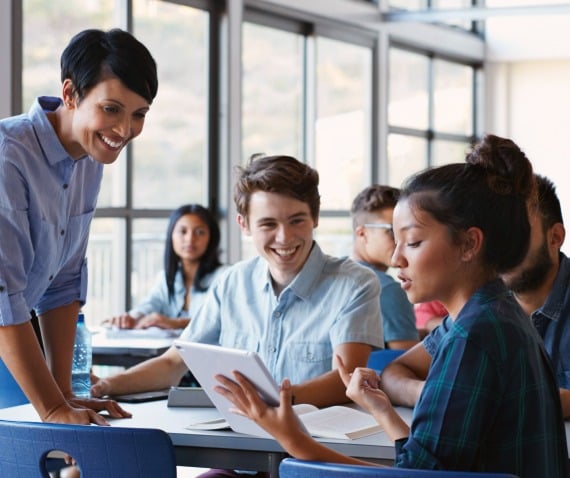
(227, 449)
(127, 351)
(224, 449)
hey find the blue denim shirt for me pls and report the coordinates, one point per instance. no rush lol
(552, 321)
(47, 201)
(331, 301)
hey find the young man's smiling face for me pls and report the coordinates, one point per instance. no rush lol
(282, 231)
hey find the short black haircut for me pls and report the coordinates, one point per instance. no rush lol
(92, 54)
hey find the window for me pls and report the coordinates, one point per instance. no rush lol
(272, 97)
(431, 112)
(310, 96)
(313, 86)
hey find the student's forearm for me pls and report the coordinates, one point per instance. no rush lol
(21, 352)
(322, 391)
(401, 385)
(304, 447)
(153, 374)
(565, 399)
(58, 333)
(392, 424)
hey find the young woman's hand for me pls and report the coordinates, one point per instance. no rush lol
(123, 321)
(155, 319)
(280, 422)
(363, 388)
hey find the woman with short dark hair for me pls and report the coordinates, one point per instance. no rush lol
(51, 165)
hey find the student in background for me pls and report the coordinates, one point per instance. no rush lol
(191, 263)
(541, 284)
(487, 400)
(428, 316)
(372, 212)
(51, 165)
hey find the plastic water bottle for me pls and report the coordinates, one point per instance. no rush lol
(81, 367)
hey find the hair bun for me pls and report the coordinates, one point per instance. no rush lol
(506, 166)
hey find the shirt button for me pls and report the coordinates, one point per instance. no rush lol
(274, 349)
(65, 186)
(277, 313)
(51, 277)
(62, 232)
(1, 288)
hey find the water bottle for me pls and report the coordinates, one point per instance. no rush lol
(81, 367)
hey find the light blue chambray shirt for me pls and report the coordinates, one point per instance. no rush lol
(330, 302)
(47, 201)
(159, 301)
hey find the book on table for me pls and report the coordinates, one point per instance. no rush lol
(206, 361)
(339, 422)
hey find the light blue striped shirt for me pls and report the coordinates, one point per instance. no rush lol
(330, 302)
(47, 201)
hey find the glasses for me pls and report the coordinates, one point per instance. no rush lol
(381, 225)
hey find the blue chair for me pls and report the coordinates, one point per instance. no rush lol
(109, 452)
(292, 468)
(380, 358)
(10, 392)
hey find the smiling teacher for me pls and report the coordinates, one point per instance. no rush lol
(51, 166)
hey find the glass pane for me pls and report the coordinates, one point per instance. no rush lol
(445, 152)
(343, 123)
(106, 261)
(451, 5)
(169, 157)
(453, 97)
(408, 90)
(334, 235)
(148, 255)
(272, 82)
(408, 4)
(47, 29)
(406, 155)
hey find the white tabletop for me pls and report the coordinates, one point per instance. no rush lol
(233, 446)
(227, 449)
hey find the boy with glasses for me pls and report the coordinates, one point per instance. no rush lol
(372, 211)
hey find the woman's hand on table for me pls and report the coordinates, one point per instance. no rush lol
(123, 321)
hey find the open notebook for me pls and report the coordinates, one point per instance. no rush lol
(206, 361)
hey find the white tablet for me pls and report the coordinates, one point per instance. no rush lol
(206, 361)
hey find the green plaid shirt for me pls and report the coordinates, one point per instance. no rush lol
(490, 402)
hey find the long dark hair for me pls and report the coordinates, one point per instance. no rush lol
(209, 261)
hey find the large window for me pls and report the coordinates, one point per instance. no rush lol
(431, 112)
(336, 92)
(310, 96)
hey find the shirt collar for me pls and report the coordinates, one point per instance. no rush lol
(306, 278)
(552, 307)
(54, 151)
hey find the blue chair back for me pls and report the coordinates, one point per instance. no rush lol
(292, 468)
(380, 358)
(10, 392)
(109, 452)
